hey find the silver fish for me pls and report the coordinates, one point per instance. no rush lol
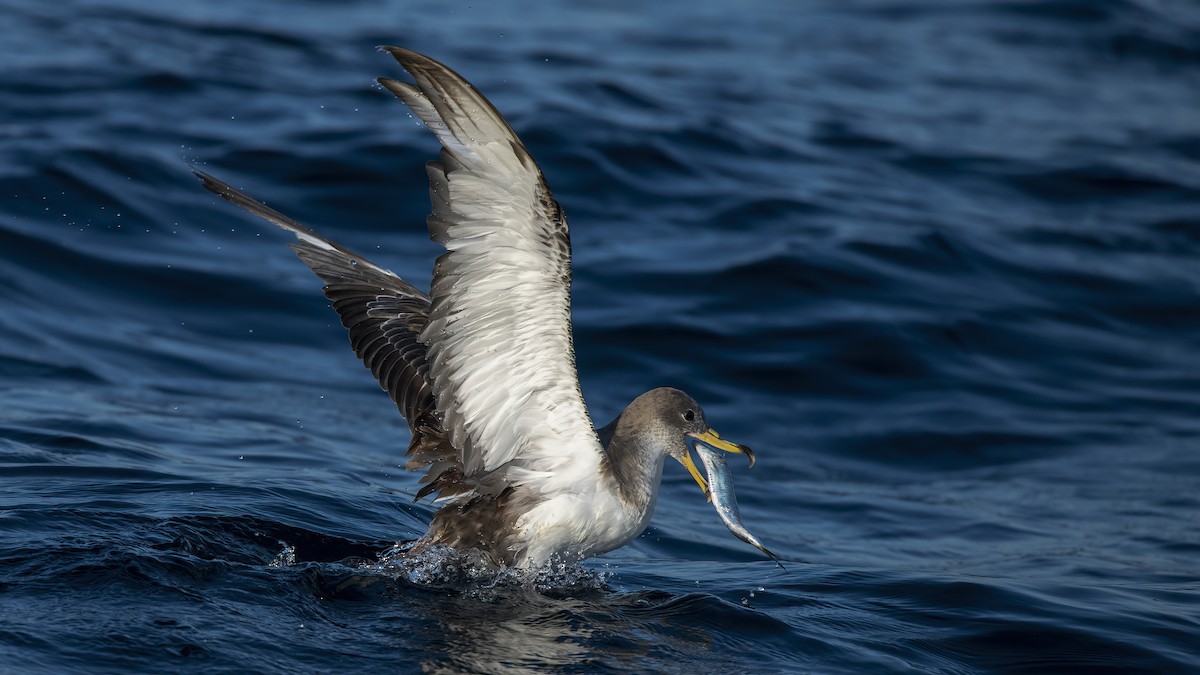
(720, 492)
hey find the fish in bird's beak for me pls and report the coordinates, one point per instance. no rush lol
(719, 487)
(713, 440)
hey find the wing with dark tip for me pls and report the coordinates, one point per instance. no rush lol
(501, 358)
(385, 316)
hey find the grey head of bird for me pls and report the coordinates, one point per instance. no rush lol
(661, 422)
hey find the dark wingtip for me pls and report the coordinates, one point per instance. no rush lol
(224, 190)
(398, 89)
(404, 57)
(208, 182)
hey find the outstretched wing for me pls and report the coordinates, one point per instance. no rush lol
(500, 352)
(385, 316)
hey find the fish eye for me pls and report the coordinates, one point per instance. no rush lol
(689, 415)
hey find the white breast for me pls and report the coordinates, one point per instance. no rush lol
(579, 524)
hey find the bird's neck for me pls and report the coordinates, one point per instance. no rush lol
(633, 466)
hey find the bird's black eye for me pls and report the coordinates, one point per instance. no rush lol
(689, 415)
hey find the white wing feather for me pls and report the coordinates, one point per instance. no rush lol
(499, 336)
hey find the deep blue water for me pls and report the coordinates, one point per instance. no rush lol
(937, 262)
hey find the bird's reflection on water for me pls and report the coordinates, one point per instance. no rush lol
(505, 624)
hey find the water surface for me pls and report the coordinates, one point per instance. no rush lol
(937, 262)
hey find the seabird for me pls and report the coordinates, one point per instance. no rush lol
(483, 367)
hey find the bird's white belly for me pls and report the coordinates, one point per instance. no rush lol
(574, 526)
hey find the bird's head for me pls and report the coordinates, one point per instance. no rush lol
(681, 423)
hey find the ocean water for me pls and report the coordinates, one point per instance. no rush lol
(938, 262)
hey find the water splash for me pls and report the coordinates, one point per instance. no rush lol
(476, 575)
(285, 557)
